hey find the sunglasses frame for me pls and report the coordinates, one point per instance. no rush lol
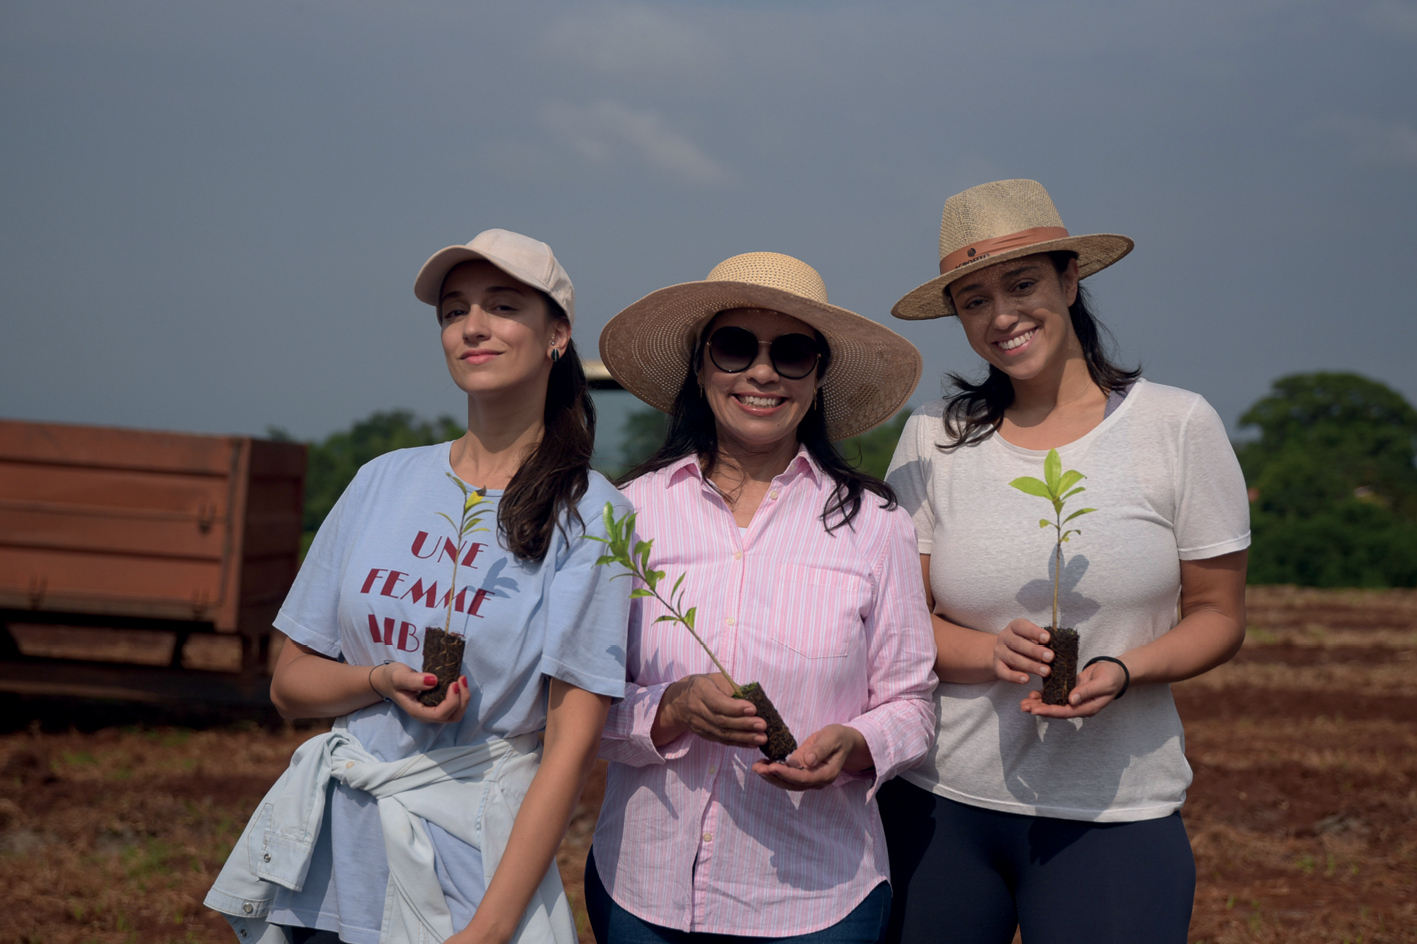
(772, 358)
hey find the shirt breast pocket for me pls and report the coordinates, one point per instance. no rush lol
(817, 613)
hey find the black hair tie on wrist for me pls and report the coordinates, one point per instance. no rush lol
(1127, 680)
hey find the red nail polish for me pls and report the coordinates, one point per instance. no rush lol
(430, 680)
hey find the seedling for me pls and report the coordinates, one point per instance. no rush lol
(634, 557)
(442, 648)
(1057, 487)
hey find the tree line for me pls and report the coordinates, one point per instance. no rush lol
(1331, 469)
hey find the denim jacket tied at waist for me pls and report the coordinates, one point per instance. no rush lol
(472, 792)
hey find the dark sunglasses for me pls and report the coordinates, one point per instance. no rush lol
(793, 356)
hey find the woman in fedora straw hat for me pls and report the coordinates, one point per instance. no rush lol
(444, 818)
(802, 581)
(1062, 820)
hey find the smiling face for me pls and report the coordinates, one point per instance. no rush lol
(1015, 314)
(497, 332)
(757, 408)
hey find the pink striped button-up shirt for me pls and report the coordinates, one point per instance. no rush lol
(836, 629)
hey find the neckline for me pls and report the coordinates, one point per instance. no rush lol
(1085, 438)
(447, 455)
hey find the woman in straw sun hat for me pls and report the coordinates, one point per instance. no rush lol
(443, 819)
(1061, 819)
(804, 576)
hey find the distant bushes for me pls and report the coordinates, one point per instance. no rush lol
(1333, 486)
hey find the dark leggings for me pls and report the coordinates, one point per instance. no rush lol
(972, 875)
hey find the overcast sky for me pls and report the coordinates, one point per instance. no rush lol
(212, 214)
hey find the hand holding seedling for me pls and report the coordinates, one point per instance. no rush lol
(403, 685)
(704, 705)
(634, 557)
(819, 760)
(1097, 686)
(1057, 487)
(1021, 651)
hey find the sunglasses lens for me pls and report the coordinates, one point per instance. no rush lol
(733, 349)
(794, 355)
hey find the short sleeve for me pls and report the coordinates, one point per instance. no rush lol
(910, 471)
(1212, 506)
(588, 613)
(310, 613)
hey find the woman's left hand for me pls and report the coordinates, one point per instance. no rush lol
(1097, 686)
(819, 760)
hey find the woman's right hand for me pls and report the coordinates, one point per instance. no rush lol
(402, 685)
(1019, 652)
(704, 705)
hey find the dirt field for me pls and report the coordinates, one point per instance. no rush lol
(1303, 815)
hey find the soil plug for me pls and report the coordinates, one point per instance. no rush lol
(1058, 486)
(443, 648)
(635, 560)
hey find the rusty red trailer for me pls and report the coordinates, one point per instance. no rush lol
(143, 565)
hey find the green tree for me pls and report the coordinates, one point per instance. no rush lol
(1333, 483)
(334, 460)
(871, 451)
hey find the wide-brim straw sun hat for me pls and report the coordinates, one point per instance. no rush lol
(993, 223)
(873, 371)
(527, 260)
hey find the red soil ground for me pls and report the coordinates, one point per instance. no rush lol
(1303, 814)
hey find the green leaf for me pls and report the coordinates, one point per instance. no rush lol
(677, 583)
(604, 558)
(667, 618)
(1073, 492)
(446, 518)
(1032, 486)
(1052, 472)
(1044, 523)
(689, 617)
(640, 592)
(1070, 478)
(1078, 513)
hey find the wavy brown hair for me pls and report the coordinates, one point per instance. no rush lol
(543, 493)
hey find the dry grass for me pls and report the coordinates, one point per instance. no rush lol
(1303, 814)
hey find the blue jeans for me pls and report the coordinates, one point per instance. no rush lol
(866, 923)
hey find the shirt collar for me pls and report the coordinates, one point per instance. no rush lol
(800, 464)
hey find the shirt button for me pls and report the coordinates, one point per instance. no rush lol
(349, 765)
(266, 857)
(247, 909)
(737, 555)
(773, 494)
(730, 621)
(708, 837)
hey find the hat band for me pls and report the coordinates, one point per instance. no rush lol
(987, 247)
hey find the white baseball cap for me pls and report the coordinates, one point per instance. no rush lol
(523, 258)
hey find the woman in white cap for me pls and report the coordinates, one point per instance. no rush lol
(803, 574)
(446, 818)
(1059, 819)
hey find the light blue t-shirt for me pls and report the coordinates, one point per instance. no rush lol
(379, 573)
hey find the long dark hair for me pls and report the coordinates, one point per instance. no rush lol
(975, 410)
(692, 429)
(543, 493)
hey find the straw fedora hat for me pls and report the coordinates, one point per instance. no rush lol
(993, 223)
(648, 346)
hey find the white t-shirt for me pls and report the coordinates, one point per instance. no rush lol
(1167, 487)
(377, 574)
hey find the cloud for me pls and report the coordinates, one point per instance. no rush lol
(1392, 17)
(1371, 141)
(607, 131)
(629, 39)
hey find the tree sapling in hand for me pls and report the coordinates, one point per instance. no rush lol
(1057, 487)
